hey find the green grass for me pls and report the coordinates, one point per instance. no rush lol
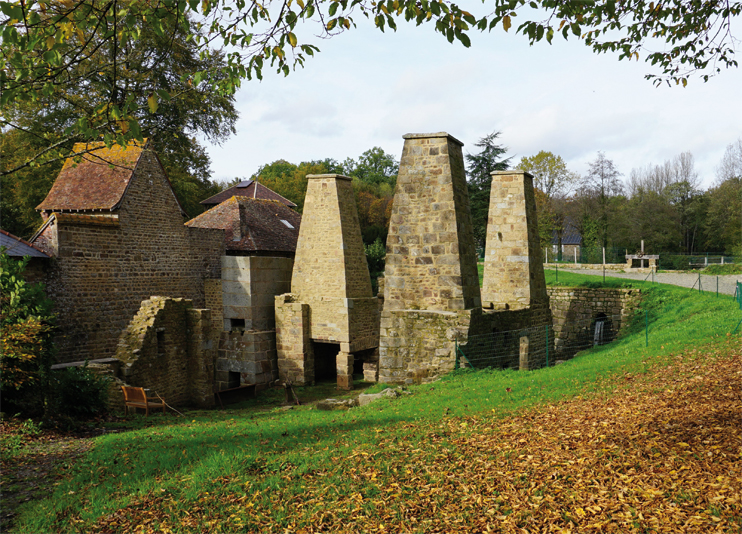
(728, 268)
(259, 453)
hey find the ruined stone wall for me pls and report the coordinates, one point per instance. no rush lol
(576, 308)
(294, 341)
(251, 354)
(213, 302)
(513, 265)
(170, 349)
(107, 266)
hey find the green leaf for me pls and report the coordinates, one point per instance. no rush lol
(152, 103)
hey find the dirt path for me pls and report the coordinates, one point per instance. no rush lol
(727, 282)
(34, 469)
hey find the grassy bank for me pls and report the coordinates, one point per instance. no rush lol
(276, 469)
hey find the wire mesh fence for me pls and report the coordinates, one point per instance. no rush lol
(539, 346)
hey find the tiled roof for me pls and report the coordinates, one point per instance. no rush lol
(248, 188)
(253, 225)
(97, 182)
(15, 246)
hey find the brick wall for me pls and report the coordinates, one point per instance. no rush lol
(106, 266)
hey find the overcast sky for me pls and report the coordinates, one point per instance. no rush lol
(367, 89)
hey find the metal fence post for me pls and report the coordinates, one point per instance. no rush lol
(699, 282)
(646, 328)
(556, 266)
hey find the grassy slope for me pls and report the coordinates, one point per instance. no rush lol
(211, 456)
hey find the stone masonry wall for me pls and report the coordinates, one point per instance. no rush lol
(170, 349)
(104, 270)
(431, 284)
(575, 309)
(252, 354)
(513, 267)
(330, 270)
(431, 258)
(293, 341)
(249, 287)
(331, 279)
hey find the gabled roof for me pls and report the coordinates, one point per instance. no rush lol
(15, 246)
(247, 188)
(97, 182)
(253, 225)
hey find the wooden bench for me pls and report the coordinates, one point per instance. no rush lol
(137, 398)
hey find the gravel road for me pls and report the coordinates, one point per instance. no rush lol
(727, 282)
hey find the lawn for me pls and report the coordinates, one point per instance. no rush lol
(624, 437)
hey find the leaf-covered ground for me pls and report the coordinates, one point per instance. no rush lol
(662, 455)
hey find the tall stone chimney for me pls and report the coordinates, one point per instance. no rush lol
(513, 265)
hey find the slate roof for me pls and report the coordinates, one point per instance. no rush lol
(247, 188)
(253, 225)
(17, 247)
(570, 236)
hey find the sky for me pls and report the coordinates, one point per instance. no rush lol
(366, 88)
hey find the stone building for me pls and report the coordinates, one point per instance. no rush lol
(248, 189)
(328, 324)
(432, 299)
(115, 230)
(260, 242)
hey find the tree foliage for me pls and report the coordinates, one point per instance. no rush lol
(26, 323)
(150, 62)
(480, 166)
(81, 47)
(552, 182)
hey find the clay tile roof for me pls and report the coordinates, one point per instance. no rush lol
(253, 225)
(97, 182)
(15, 246)
(247, 188)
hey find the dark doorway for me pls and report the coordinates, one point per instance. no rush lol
(325, 363)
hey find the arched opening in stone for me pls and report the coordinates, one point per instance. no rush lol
(602, 329)
(325, 364)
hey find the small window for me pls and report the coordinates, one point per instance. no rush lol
(237, 325)
(287, 223)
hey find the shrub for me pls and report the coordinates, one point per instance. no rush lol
(79, 393)
(376, 256)
(26, 350)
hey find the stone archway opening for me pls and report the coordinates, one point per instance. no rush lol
(325, 366)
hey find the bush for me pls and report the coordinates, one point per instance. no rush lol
(78, 393)
(376, 258)
(26, 354)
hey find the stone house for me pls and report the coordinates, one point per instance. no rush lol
(115, 231)
(260, 243)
